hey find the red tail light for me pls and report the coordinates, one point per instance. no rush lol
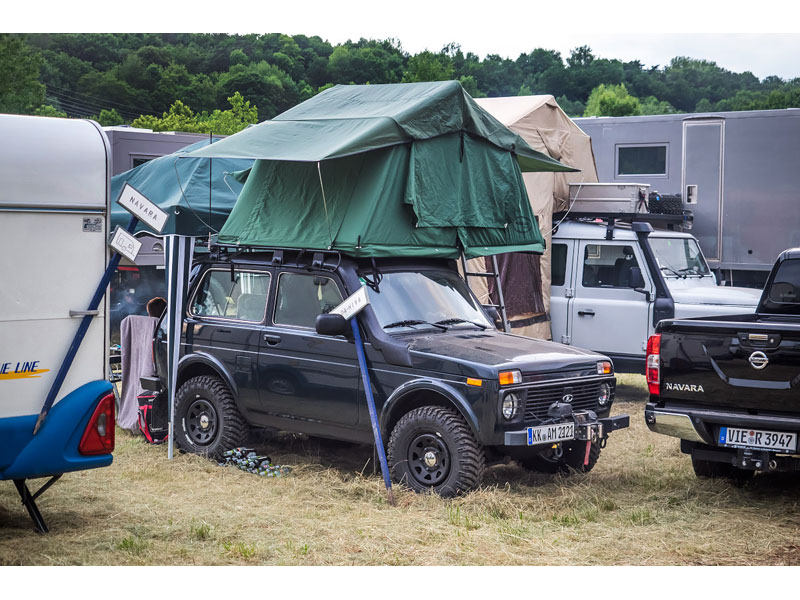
(653, 365)
(98, 438)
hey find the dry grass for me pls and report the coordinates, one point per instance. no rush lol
(641, 505)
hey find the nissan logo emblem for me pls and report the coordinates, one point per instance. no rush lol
(758, 360)
(567, 397)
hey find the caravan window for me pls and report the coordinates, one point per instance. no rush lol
(642, 159)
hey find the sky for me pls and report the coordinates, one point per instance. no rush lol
(755, 37)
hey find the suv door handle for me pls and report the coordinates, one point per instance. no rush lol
(586, 313)
(272, 339)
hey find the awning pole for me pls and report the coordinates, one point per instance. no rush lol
(373, 414)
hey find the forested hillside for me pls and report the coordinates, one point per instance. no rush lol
(190, 81)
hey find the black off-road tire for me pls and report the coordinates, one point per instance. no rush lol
(713, 469)
(207, 421)
(442, 435)
(570, 460)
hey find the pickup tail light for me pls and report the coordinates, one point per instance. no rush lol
(98, 437)
(653, 365)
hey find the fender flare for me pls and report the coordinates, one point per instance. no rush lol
(213, 363)
(431, 385)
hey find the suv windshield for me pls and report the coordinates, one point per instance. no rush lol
(679, 257)
(425, 300)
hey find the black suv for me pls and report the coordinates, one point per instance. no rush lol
(452, 392)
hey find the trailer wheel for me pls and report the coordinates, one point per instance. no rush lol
(564, 459)
(207, 421)
(713, 469)
(433, 449)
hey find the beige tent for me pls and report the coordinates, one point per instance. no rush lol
(548, 129)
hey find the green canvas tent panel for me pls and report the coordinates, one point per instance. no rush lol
(197, 193)
(385, 170)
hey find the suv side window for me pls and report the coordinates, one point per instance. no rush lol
(558, 267)
(607, 265)
(243, 299)
(302, 297)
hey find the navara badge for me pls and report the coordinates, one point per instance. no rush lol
(758, 360)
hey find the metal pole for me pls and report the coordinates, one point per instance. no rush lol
(373, 414)
(81, 333)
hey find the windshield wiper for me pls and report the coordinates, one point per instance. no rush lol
(692, 270)
(409, 322)
(673, 271)
(455, 320)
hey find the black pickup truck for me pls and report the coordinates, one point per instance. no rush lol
(453, 394)
(729, 387)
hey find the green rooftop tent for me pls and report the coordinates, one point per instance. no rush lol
(385, 170)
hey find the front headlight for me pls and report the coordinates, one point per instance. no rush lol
(510, 407)
(605, 394)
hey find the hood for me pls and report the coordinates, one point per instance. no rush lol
(500, 350)
(717, 295)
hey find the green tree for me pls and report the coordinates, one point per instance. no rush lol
(20, 90)
(46, 110)
(573, 108)
(109, 118)
(427, 66)
(611, 101)
(653, 106)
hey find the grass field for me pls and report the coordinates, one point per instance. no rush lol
(641, 505)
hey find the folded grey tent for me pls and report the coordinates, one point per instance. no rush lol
(381, 170)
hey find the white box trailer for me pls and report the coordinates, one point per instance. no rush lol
(54, 188)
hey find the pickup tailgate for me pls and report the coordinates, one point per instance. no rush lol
(749, 363)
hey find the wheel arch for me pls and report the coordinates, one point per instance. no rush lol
(425, 392)
(197, 365)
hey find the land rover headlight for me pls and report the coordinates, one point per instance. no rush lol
(605, 394)
(510, 406)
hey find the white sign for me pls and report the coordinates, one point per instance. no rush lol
(124, 243)
(140, 207)
(353, 304)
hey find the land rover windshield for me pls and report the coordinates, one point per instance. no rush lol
(430, 299)
(679, 257)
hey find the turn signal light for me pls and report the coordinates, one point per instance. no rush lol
(653, 365)
(604, 368)
(98, 437)
(509, 377)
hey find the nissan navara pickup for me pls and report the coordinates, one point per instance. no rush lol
(729, 387)
(453, 394)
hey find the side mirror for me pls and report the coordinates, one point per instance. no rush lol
(329, 324)
(494, 315)
(637, 280)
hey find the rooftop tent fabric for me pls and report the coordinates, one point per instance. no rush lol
(350, 119)
(385, 170)
(180, 186)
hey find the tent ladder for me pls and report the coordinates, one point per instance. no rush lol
(495, 274)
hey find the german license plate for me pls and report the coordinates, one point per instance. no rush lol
(550, 434)
(757, 438)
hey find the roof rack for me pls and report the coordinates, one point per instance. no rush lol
(291, 257)
(664, 221)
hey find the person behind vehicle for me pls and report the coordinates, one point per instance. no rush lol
(156, 307)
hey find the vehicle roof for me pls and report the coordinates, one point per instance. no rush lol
(597, 231)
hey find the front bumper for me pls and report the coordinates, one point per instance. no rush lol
(587, 427)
